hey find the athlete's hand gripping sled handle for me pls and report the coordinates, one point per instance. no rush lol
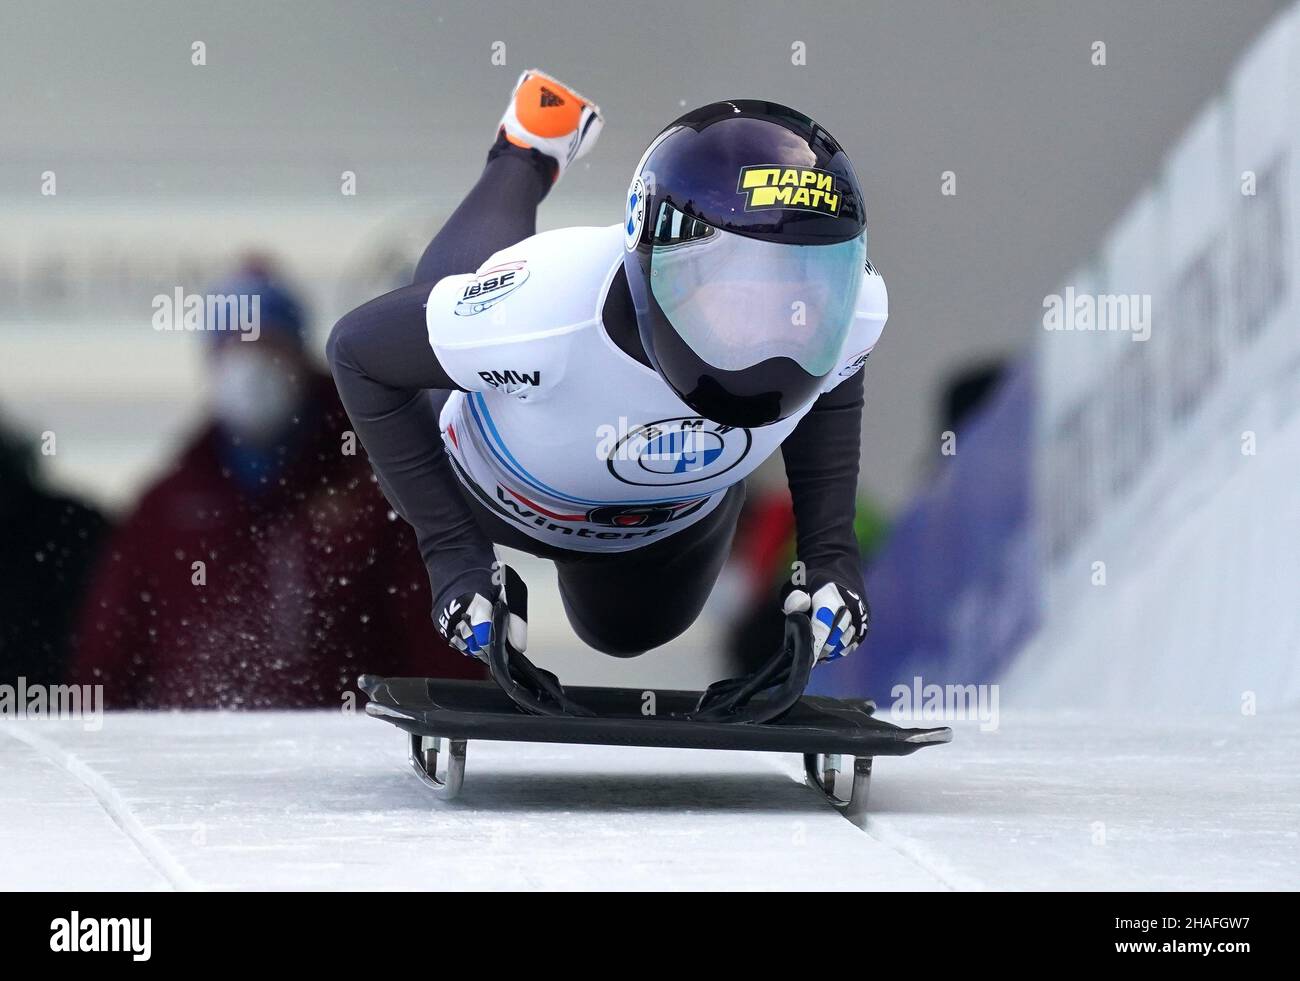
(781, 681)
(531, 688)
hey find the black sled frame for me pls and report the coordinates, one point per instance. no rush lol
(762, 712)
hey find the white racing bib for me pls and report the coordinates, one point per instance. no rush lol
(561, 433)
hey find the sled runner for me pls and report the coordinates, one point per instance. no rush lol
(763, 712)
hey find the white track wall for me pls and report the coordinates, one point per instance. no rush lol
(1168, 475)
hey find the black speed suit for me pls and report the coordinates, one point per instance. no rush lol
(393, 387)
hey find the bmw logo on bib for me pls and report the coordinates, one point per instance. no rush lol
(673, 452)
(635, 217)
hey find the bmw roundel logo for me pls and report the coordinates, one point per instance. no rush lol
(635, 216)
(673, 452)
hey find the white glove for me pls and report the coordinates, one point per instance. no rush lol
(466, 620)
(839, 618)
(466, 624)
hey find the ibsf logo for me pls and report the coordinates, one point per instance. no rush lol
(801, 188)
(673, 452)
(490, 287)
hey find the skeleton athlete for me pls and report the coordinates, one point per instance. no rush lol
(597, 396)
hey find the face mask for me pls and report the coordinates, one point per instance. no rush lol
(253, 397)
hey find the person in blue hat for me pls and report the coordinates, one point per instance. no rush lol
(262, 570)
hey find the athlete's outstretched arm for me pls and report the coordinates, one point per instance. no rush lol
(821, 465)
(384, 368)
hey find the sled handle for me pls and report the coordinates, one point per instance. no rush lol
(533, 689)
(783, 678)
(762, 696)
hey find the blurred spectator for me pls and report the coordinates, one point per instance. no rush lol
(263, 570)
(966, 389)
(48, 545)
(962, 392)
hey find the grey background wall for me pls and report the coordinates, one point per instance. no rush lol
(1046, 147)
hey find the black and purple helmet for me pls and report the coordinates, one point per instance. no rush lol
(746, 241)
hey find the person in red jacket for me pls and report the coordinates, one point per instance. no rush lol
(265, 570)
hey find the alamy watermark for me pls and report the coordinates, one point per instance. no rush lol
(239, 312)
(81, 703)
(919, 702)
(75, 934)
(1098, 312)
(675, 445)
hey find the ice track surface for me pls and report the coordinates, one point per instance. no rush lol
(326, 801)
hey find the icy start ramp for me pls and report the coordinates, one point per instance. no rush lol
(325, 801)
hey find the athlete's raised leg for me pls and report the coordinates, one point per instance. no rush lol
(380, 354)
(545, 127)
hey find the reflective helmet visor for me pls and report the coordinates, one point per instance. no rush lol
(737, 301)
